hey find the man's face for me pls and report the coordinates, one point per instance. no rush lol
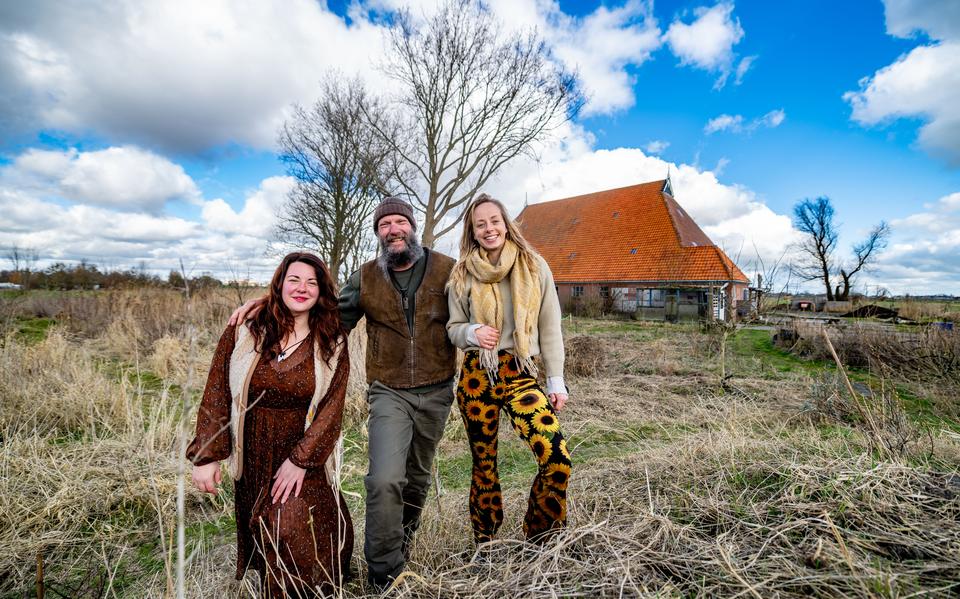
(394, 231)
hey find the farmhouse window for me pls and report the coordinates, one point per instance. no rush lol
(604, 291)
(578, 291)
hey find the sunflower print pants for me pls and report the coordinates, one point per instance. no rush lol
(533, 417)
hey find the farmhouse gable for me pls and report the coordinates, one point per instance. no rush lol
(632, 238)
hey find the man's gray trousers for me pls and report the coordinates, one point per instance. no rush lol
(404, 428)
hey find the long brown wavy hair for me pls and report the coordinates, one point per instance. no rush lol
(275, 320)
(469, 243)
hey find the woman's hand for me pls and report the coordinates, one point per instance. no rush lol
(207, 477)
(247, 311)
(558, 400)
(288, 478)
(487, 337)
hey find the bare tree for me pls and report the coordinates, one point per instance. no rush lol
(471, 98)
(814, 218)
(818, 261)
(864, 253)
(339, 163)
(23, 260)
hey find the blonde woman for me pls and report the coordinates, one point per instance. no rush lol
(504, 311)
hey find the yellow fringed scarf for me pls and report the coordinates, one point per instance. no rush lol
(487, 304)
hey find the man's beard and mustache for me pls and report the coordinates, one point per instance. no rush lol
(391, 258)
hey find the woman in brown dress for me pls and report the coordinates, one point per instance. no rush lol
(272, 407)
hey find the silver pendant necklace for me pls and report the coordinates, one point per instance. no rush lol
(283, 352)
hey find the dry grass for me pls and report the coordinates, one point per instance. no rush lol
(681, 486)
(88, 467)
(54, 387)
(926, 311)
(749, 520)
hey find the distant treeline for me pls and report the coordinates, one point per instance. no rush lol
(88, 276)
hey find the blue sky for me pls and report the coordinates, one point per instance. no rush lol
(144, 131)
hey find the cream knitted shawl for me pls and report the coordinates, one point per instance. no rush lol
(487, 305)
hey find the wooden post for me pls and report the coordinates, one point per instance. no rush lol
(40, 585)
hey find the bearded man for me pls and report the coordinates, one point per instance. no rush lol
(410, 368)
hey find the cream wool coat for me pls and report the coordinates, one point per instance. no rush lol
(243, 361)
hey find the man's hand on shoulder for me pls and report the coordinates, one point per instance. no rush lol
(247, 311)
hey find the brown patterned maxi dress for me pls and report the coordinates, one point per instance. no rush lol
(301, 547)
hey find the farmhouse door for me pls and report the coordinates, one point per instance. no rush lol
(671, 306)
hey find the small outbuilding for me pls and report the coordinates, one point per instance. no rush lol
(636, 250)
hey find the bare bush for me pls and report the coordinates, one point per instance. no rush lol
(585, 356)
(590, 306)
(928, 352)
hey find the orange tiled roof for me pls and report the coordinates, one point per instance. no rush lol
(630, 234)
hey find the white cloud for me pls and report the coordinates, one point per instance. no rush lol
(79, 231)
(180, 75)
(707, 42)
(924, 83)
(721, 166)
(724, 122)
(772, 119)
(742, 67)
(734, 122)
(601, 46)
(258, 215)
(22, 213)
(187, 77)
(656, 146)
(36, 213)
(924, 251)
(121, 177)
(940, 18)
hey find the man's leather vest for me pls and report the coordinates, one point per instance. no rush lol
(395, 357)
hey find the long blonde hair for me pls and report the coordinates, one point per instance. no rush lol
(468, 243)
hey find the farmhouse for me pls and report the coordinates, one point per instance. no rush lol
(634, 249)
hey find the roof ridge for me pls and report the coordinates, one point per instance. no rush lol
(673, 222)
(602, 191)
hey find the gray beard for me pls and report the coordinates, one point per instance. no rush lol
(390, 260)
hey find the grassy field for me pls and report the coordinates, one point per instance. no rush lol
(705, 464)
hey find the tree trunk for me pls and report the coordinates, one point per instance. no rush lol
(826, 281)
(843, 293)
(427, 239)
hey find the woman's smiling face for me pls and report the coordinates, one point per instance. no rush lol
(300, 289)
(488, 227)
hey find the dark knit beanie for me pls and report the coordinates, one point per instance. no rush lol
(393, 205)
